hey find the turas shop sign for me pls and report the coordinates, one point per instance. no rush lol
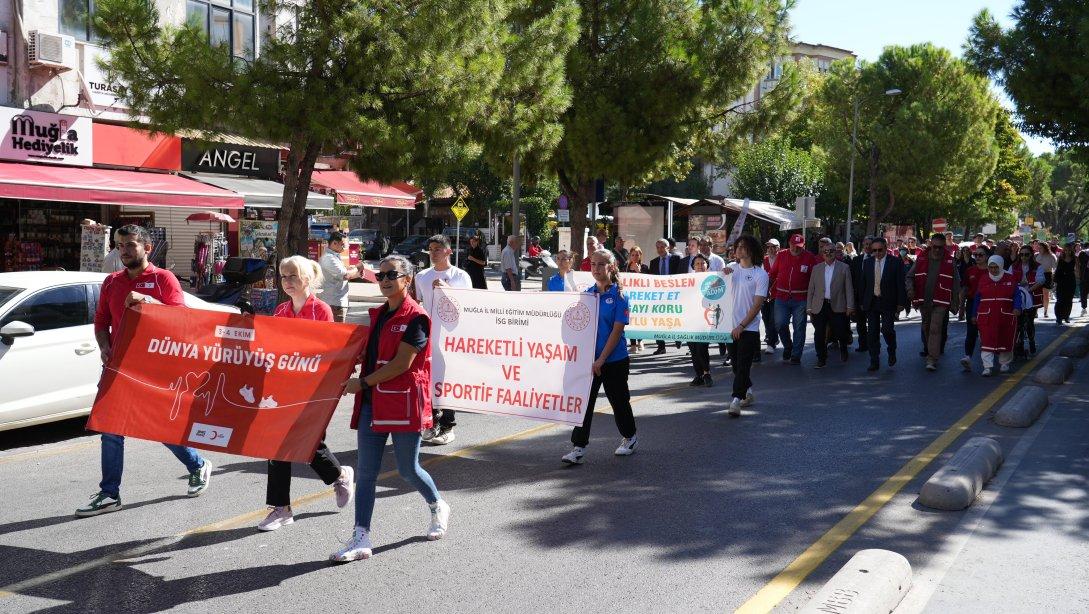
(228, 159)
(52, 138)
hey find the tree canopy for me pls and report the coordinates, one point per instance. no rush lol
(1041, 62)
(1064, 200)
(775, 171)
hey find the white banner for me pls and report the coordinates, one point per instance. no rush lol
(501, 353)
(688, 307)
(36, 136)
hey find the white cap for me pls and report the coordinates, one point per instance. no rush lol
(774, 242)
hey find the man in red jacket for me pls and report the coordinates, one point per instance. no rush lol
(790, 285)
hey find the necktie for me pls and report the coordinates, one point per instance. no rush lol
(662, 262)
(878, 265)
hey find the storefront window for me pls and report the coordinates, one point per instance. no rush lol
(232, 25)
(75, 19)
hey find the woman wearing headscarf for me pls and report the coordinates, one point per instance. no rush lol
(996, 306)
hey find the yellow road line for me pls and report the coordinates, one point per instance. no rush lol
(249, 517)
(796, 572)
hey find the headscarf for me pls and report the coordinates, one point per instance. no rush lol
(996, 259)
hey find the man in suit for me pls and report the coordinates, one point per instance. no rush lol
(884, 294)
(856, 278)
(831, 300)
(664, 264)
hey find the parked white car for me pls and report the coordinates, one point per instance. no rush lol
(52, 373)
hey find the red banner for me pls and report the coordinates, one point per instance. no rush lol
(257, 386)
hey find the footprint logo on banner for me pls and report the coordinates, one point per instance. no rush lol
(577, 317)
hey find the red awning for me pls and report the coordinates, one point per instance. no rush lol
(110, 187)
(351, 190)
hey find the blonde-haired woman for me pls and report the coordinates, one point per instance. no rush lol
(299, 276)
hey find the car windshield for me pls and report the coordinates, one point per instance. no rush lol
(6, 294)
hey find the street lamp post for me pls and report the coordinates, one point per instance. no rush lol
(854, 142)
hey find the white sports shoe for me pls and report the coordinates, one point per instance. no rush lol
(344, 487)
(966, 362)
(574, 457)
(749, 399)
(769, 350)
(279, 516)
(627, 446)
(358, 547)
(986, 372)
(1003, 368)
(735, 408)
(440, 520)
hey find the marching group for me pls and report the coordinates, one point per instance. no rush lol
(997, 289)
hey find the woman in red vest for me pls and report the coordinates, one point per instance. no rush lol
(1029, 275)
(392, 398)
(997, 305)
(299, 276)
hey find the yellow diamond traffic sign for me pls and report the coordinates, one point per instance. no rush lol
(459, 208)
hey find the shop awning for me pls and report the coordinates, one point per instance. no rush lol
(351, 190)
(785, 219)
(260, 193)
(110, 187)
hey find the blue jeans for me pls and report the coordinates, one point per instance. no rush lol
(406, 449)
(788, 313)
(113, 462)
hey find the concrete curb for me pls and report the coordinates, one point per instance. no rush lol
(1075, 347)
(1023, 408)
(956, 485)
(872, 581)
(1055, 371)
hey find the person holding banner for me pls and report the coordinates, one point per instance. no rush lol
(665, 264)
(298, 277)
(395, 375)
(564, 281)
(748, 291)
(442, 272)
(700, 351)
(612, 364)
(119, 292)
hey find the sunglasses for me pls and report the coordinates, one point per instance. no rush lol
(388, 275)
(830, 251)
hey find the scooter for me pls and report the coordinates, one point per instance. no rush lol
(238, 275)
(536, 265)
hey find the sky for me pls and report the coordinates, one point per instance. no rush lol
(867, 26)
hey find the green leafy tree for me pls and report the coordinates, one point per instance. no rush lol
(403, 84)
(1067, 209)
(1041, 62)
(655, 83)
(921, 152)
(1006, 191)
(776, 172)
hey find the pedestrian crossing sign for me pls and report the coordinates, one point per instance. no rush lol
(459, 208)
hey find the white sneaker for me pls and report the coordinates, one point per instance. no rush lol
(769, 350)
(199, 479)
(749, 399)
(966, 362)
(279, 516)
(440, 520)
(1003, 368)
(574, 457)
(344, 487)
(358, 547)
(735, 408)
(986, 372)
(627, 446)
(443, 437)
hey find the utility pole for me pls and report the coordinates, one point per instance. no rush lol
(516, 194)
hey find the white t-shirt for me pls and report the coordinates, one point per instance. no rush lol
(334, 290)
(425, 291)
(746, 285)
(715, 262)
(829, 270)
(508, 260)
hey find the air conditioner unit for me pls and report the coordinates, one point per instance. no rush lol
(50, 50)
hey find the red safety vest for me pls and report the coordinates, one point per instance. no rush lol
(995, 319)
(943, 290)
(402, 404)
(1037, 294)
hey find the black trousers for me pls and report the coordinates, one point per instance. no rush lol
(701, 357)
(971, 335)
(742, 352)
(445, 418)
(837, 322)
(1064, 302)
(1084, 283)
(614, 377)
(767, 314)
(1026, 330)
(861, 325)
(880, 323)
(278, 492)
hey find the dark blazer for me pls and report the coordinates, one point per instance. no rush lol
(893, 289)
(856, 278)
(674, 266)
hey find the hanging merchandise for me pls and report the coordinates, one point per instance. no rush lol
(94, 243)
(159, 247)
(209, 254)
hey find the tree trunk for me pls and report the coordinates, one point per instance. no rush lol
(579, 193)
(292, 233)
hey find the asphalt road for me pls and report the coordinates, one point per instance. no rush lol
(701, 519)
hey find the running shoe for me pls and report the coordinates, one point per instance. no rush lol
(344, 487)
(199, 479)
(100, 503)
(358, 547)
(574, 457)
(278, 517)
(627, 446)
(440, 520)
